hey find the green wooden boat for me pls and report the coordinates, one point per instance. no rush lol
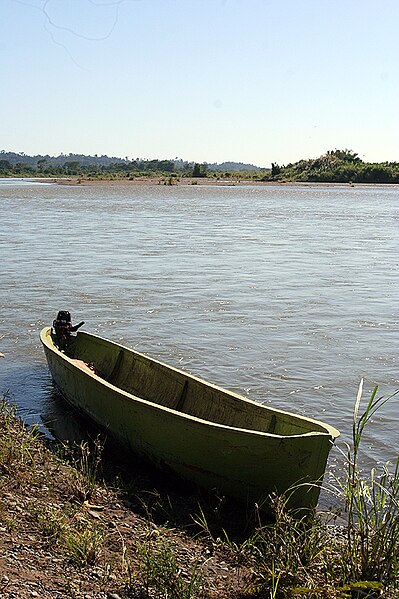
(211, 436)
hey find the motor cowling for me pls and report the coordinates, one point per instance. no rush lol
(63, 328)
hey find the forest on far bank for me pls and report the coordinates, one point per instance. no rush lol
(336, 166)
(105, 167)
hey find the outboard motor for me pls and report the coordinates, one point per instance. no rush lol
(63, 328)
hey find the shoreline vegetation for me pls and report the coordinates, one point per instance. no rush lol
(74, 524)
(334, 167)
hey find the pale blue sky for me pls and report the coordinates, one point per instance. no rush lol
(204, 80)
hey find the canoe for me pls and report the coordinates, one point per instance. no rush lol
(206, 434)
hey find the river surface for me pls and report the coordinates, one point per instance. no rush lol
(286, 294)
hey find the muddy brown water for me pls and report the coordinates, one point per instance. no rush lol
(286, 294)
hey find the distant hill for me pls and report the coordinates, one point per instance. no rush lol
(236, 167)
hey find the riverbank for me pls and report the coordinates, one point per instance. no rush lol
(66, 532)
(72, 528)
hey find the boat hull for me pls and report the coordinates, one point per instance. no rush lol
(246, 464)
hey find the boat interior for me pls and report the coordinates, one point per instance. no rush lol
(160, 384)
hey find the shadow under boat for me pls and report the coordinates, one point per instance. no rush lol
(145, 488)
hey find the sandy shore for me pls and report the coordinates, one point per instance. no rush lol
(188, 181)
(153, 181)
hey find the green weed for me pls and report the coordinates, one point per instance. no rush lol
(160, 575)
(52, 522)
(86, 461)
(83, 544)
(307, 556)
(17, 442)
(372, 504)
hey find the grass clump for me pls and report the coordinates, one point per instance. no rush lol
(52, 522)
(86, 461)
(372, 504)
(68, 531)
(312, 556)
(17, 443)
(83, 544)
(160, 575)
(292, 552)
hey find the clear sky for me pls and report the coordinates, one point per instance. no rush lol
(204, 80)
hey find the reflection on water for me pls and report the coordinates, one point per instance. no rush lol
(63, 421)
(286, 294)
(21, 182)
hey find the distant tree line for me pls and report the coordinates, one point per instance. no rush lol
(21, 165)
(12, 164)
(336, 166)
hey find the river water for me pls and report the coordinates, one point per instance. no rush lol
(286, 294)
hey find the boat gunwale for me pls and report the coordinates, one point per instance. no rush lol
(330, 431)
